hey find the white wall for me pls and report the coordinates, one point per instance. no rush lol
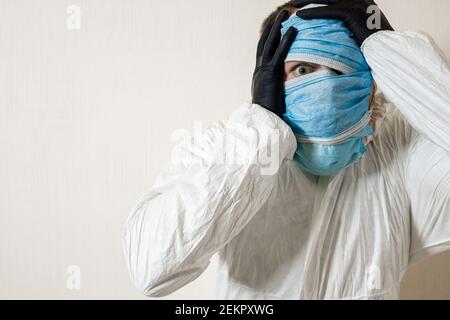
(86, 118)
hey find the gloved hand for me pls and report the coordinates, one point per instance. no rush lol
(352, 12)
(268, 78)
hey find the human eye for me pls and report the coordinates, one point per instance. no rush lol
(301, 70)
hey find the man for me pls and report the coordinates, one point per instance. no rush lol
(361, 188)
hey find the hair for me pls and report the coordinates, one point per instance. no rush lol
(271, 18)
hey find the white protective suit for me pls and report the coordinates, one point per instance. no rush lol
(294, 236)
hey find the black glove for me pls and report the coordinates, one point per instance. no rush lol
(268, 78)
(352, 12)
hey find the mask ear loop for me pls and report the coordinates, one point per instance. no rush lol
(373, 118)
(371, 101)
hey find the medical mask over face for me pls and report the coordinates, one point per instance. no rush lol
(328, 112)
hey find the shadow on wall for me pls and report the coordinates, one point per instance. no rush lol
(428, 280)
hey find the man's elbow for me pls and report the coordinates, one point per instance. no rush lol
(152, 291)
(163, 286)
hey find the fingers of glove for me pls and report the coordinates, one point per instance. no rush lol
(304, 3)
(262, 43)
(329, 12)
(275, 35)
(285, 45)
(370, 2)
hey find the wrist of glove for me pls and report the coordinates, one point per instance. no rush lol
(362, 17)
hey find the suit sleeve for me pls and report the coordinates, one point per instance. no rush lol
(414, 74)
(209, 192)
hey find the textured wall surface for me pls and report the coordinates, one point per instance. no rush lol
(86, 116)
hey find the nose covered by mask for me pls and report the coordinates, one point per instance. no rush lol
(328, 112)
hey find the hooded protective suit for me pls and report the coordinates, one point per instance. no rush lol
(283, 234)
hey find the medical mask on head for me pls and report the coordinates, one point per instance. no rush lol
(328, 112)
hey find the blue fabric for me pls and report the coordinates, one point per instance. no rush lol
(329, 39)
(325, 160)
(326, 106)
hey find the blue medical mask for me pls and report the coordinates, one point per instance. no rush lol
(328, 112)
